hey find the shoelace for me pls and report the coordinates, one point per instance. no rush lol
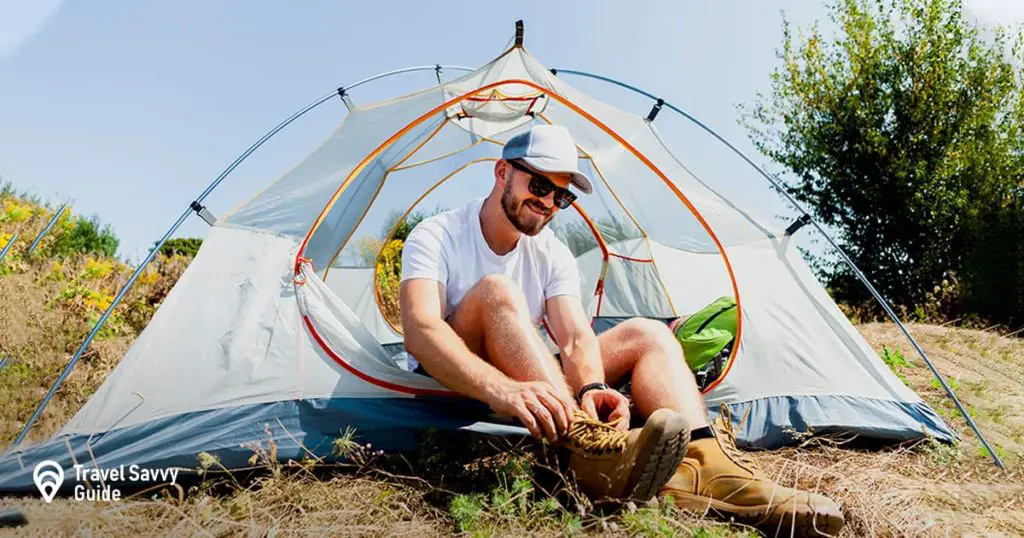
(594, 436)
(727, 437)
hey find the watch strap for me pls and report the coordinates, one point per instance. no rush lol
(589, 387)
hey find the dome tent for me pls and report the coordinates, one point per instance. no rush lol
(278, 329)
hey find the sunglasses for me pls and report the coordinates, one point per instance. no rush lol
(541, 186)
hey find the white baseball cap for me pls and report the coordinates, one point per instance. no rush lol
(548, 148)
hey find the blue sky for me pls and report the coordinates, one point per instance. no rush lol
(129, 109)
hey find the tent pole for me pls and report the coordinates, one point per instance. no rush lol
(49, 225)
(197, 203)
(7, 247)
(849, 262)
(231, 168)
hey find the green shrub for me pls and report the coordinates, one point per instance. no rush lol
(181, 246)
(80, 235)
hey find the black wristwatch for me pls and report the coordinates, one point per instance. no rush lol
(589, 387)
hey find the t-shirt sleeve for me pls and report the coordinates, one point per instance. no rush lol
(564, 275)
(423, 255)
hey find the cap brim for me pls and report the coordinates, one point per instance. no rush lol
(555, 166)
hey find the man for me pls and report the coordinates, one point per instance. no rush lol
(476, 283)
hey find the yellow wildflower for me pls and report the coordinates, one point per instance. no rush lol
(97, 268)
(15, 211)
(99, 300)
(148, 277)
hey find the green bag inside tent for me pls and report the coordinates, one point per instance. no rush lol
(707, 332)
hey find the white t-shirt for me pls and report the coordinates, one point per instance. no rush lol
(450, 248)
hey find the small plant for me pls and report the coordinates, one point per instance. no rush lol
(942, 454)
(894, 359)
(206, 461)
(997, 414)
(984, 453)
(514, 500)
(951, 381)
(647, 522)
(345, 446)
(467, 511)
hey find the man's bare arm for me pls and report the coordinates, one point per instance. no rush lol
(581, 355)
(581, 360)
(443, 353)
(439, 349)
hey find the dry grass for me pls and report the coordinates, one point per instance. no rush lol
(342, 506)
(923, 490)
(365, 498)
(930, 489)
(985, 369)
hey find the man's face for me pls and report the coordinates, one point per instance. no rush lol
(529, 213)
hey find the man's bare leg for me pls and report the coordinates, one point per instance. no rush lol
(660, 376)
(494, 321)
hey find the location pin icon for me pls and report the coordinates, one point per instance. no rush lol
(48, 477)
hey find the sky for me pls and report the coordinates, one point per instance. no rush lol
(127, 110)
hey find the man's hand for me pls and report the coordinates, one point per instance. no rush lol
(537, 405)
(607, 405)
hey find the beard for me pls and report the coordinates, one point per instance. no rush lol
(522, 217)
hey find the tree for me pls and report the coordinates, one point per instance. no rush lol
(181, 246)
(897, 133)
(993, 273)
(85, 236)
(405, 227)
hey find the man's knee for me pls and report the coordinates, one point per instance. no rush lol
(500, 292)
(648, 335)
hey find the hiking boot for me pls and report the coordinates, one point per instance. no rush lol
(634, 464)
(716, 477)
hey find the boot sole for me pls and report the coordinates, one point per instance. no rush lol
(804, 520)
(658, 459)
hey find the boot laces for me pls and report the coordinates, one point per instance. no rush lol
(727, 436)
(595, 437)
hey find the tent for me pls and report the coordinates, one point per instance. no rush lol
(280, 328)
